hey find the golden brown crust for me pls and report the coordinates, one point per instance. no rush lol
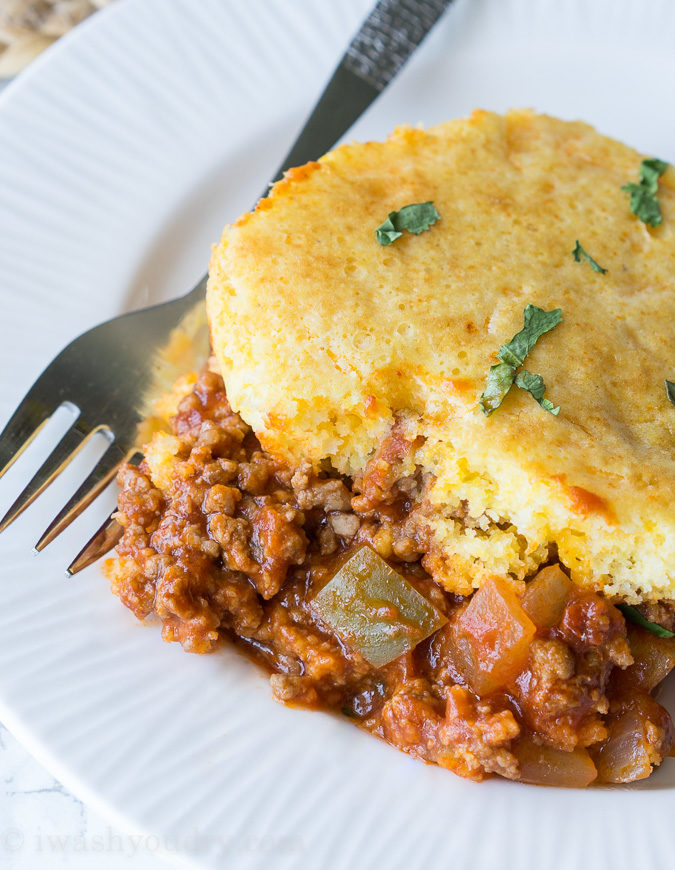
(325, 337)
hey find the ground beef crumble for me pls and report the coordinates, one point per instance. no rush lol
(236, 544)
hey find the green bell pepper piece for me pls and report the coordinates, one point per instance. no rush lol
(375, 610)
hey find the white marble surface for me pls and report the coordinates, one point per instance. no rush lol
(42, 825)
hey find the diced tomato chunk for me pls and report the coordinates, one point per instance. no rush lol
(491, 637)
(590, 622)
(546, 595)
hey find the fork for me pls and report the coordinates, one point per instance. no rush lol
(110, 375)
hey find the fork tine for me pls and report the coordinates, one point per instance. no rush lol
(101, 475)
(107, 535)
(100, 543)
(22, 428)
(64, 452)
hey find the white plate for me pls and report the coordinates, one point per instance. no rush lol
(122, 153)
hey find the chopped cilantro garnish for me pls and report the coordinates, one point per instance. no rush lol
(415, 218)
(633, 615)
(499, 381)
(512, 355)
(534, 384)
(670, 390)
(651, 170)
(579, 253)
(644, 204)
(536, 323)
(643, 201)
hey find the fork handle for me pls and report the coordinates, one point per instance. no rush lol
(383, 44)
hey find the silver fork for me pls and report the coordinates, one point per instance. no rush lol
(111, 373)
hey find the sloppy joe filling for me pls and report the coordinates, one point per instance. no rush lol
(539, 681)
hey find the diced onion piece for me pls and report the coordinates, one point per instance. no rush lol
(639, 737)
(543, 765)
(653, 660)
(546, 595)
(491, 637)
(375, 610)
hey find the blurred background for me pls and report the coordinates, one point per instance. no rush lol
(27, 27)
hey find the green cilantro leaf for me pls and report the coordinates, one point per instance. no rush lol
(650, 172)
(499, 381)
(643, 201)
(644, 204)
(670, 390)
(537, 322)
(512, 355)
(579, 252)
(633, 615)
(387, 233)
(534, 384)
(415, 218)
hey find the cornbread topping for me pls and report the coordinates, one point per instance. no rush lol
(431, 462)
(325, 338)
